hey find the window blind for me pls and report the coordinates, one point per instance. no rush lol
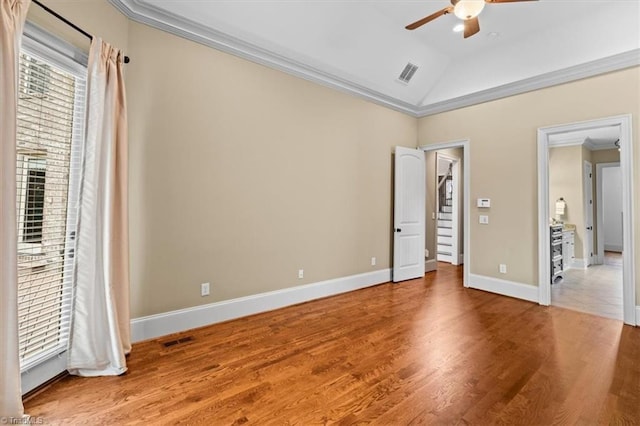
(50, 127)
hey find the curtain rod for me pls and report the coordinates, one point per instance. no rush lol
(69, 23)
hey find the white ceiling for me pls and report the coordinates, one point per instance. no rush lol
(361, 46)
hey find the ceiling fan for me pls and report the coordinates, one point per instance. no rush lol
(467, 10)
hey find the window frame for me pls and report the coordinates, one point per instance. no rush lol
(52, 50)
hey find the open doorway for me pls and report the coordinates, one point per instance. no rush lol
(588, 278)
(551, 204)
(445, 196)
(447, 205)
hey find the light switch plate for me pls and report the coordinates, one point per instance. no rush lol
(484, 219)
(484, 202)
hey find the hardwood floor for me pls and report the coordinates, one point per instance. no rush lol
(425, 351)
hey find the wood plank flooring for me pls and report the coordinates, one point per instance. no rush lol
(425, 351)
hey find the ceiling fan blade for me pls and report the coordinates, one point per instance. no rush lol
(505, 1)
(429, 18)
(471, 27)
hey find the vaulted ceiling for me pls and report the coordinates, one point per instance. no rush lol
(362, 46)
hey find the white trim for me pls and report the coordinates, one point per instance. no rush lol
(587, 246)
(430, 265)
(466, 171)
(153, 326)
(544, 239)
(563, 141)
(504, 287)
(53, 49)
(156, 18)
(42, 372)
(637, 314)
(626, 169)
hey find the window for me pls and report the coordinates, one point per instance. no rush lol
(49, 145)
(31, 181)
(34, 199)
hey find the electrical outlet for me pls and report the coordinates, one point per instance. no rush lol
(300, 273)
(503, 268)
(373, 261)
(204, 289)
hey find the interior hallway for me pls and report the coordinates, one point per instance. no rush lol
(596, 290)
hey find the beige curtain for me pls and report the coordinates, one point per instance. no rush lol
(12, 16)
(100, 335)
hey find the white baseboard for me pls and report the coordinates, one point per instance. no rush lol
(637, 315)
(153, 326)
(430, 265)
(504, 287)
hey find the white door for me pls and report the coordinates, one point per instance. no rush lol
(408, 214)
(588, 213)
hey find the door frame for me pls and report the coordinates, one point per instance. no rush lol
(587, 195)
(626, 169)
(599, 211)
(464, 144)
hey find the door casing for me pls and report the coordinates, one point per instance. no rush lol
(626, 169)
(466, 171)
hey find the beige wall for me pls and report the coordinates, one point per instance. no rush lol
(565, 180)
(241, 175)
(97, 17)
(605, 156)
(503, 165)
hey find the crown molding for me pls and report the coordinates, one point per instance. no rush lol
(156, 18)
(577, 72)
(198, 33)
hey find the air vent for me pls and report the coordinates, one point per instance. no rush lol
(407, 73)
(177, 341)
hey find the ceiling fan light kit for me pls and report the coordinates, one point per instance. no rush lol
(467, 10)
